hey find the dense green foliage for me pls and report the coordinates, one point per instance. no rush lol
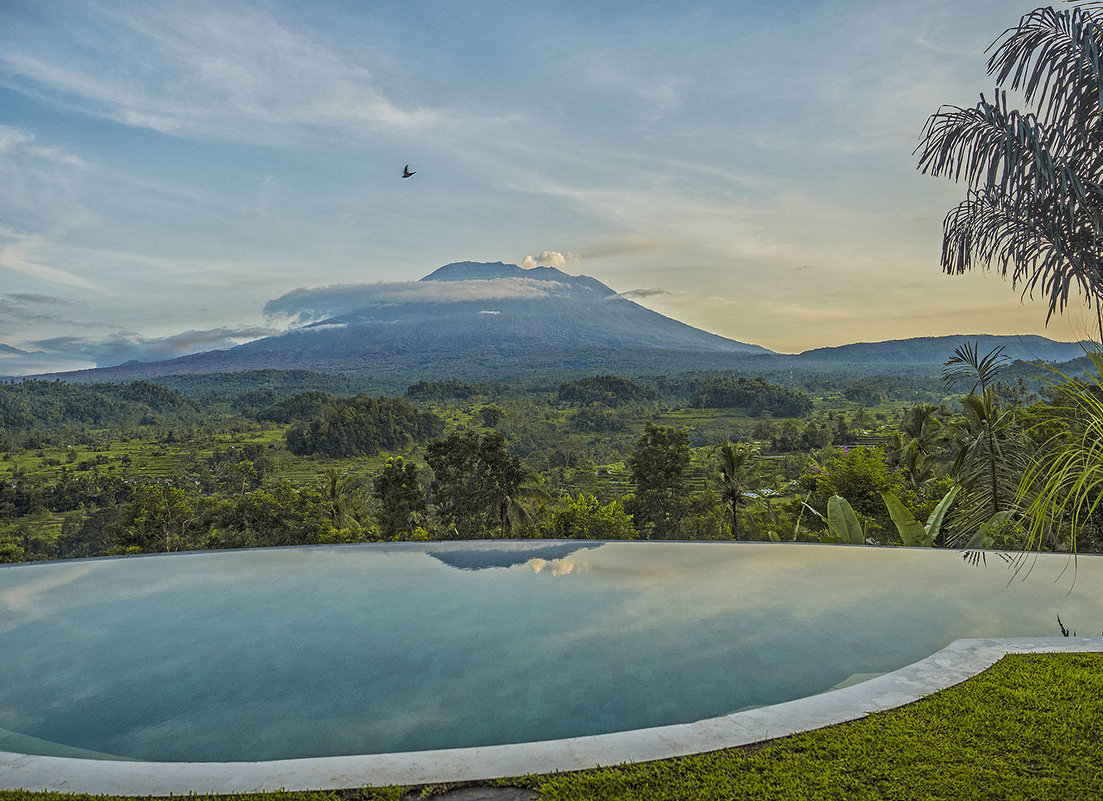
(586, 519)
(27, 405)
(450, 389)
(753, 396)
(264, 468)
(307, 405)
(658, 469)
(475, 479)
(401, 498)
(610, 390)
(362, 426)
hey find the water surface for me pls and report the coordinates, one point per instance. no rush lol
(313, 651)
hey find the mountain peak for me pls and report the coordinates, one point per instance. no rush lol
(485, 271)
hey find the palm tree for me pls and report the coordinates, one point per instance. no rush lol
(1034, 206)
(989, 460)
(738, 465)
(921, 435)
(523, 504)
(990, 454)
(339, 489)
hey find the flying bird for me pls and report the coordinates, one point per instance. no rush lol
(406, 171)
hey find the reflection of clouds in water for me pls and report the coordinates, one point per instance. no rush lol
(558, 567)
(799, 585)
(27, 597)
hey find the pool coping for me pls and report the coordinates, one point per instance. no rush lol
(955, 663)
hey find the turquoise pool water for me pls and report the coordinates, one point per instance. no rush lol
(317, 651)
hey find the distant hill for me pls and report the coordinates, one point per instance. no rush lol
(935, 350)
(472, 319)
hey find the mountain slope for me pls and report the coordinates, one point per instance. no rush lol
(935, 350)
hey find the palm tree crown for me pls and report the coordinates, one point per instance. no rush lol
(1034, 207)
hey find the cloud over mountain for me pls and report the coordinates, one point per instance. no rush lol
(643, 293)
(128, 346)
(307, 305)
(549, 258)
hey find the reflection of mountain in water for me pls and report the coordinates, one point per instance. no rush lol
(481, 558)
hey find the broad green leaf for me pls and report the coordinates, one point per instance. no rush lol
(843, 523)
(911, 530)
(934, 522)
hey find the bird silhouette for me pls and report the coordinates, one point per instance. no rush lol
(406, 171)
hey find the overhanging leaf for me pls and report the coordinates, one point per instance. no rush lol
(911, 530)
(934, 522)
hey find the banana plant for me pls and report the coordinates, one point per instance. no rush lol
(842, 523)
(912, 532)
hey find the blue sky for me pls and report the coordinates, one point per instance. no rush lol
(168, 168)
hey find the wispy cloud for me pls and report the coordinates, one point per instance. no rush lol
(18, 255)
(206, 70)
(126, 346)
(16, 140)
(633, 294)
(12, 137)
(34, 298)
(31, 308)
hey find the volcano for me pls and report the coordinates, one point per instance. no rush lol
(469, 318)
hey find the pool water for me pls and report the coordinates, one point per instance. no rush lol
(379, 648)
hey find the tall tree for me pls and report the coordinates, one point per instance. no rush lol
(987, 440)
(1034, 204)
(475, 479)
(401, 498)
(339, 489)
(658, 467)
(160, 517)
(738, 467)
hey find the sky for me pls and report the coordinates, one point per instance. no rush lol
(168, 169)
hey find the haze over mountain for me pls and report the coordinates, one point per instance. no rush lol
(475, 319)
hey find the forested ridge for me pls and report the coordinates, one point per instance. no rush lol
(27, 405)
(93, 469)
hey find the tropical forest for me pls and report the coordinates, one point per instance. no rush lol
(958, 459)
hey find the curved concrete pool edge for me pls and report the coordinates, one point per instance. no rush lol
(955, 663)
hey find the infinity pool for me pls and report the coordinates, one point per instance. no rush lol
(362, 649)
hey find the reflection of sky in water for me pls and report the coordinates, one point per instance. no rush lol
(359, 649)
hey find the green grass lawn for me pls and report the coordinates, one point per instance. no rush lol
(1031, 727)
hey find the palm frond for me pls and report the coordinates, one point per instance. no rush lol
(1054, 57)
(966, 362)
(995, 147)
(1034, 209)
(1044, 247)
(1063, 487)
